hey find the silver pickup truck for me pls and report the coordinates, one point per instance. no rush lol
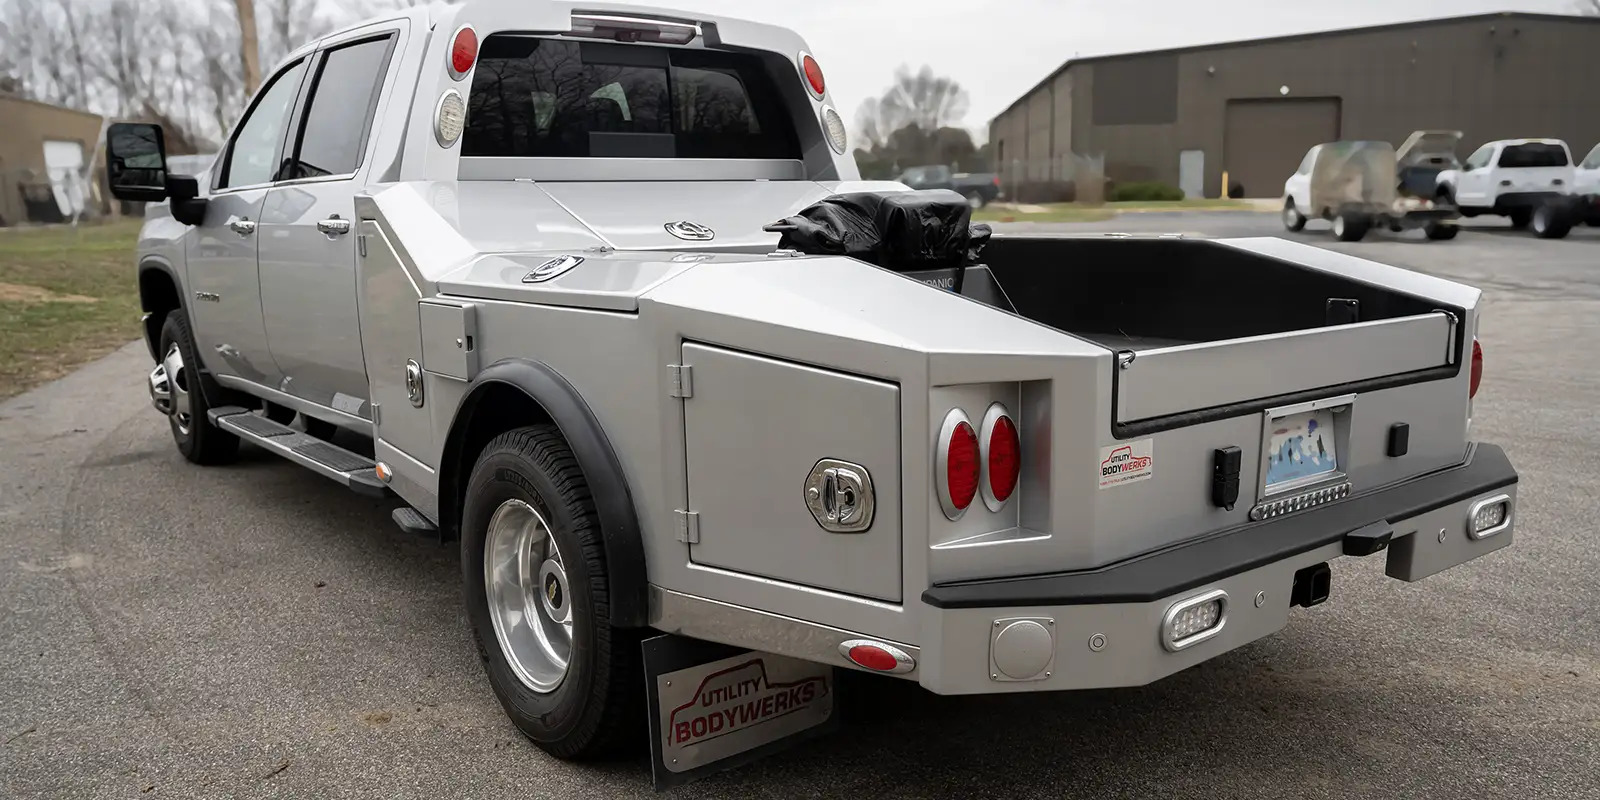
(596, 291)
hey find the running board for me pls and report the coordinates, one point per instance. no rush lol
(355, 471)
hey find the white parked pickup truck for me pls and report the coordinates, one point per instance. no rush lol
(1528, 180)
(596, 291)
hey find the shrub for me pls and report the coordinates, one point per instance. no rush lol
(1144, 192)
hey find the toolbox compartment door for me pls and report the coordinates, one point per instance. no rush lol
(755, 430)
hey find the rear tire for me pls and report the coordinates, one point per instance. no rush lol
(527, 500)
(1550, 222)
(976, 200)
(198, 440)
(1520, 218)
(1440, 231)
(1293, 220)
(1349, 228)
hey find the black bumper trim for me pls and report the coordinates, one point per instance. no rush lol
(1166, 572)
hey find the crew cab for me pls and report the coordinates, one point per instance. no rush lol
(596, 292)
(1528, 180)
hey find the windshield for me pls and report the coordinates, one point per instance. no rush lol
(1535, 154)
(544, 97)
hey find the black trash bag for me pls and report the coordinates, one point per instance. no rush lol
(903, 231)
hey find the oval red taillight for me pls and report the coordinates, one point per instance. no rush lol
(1477, 369)
(1005, 458)
(873, 657)
(463, 51)
(813, 72)
(961, 466)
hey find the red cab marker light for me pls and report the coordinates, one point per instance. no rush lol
(877, 656)
(813, 73)
(463, 52)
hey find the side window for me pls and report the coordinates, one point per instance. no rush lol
(1308, 161)
(253, 155)
(1481, 157)
(344, 94)
(1592, 161)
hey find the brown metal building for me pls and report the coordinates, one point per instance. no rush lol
(1184, 116)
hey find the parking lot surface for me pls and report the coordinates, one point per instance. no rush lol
(257, 631)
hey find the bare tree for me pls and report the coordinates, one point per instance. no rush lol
(924, 99)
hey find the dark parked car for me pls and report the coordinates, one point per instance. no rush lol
(980, 188)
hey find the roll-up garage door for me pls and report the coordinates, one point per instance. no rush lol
(1265, 140)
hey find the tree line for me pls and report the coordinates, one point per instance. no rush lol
(917, 121)
(188, 65)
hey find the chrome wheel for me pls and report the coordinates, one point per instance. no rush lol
(169, 390)
(1338, 226)
(530, 601)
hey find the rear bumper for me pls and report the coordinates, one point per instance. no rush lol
(1104, 628)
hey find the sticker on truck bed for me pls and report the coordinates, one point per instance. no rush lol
(1126, 463)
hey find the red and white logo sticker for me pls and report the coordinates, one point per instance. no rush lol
(739, 698)
(1126, 463)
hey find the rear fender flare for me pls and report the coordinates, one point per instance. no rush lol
(608, 485)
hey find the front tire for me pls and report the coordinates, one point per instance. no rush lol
(1293, 220)
(1520, 218)
(537, 593)
(179, 380)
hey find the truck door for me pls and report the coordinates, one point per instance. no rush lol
(225, 301)
(308, 231)
(1473, 185)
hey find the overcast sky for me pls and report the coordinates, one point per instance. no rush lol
(1005, 48)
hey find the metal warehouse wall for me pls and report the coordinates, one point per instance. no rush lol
(1491, 78)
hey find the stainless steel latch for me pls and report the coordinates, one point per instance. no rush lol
(840, 496)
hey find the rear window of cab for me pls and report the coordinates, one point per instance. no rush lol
(539, 97)
(1534, 154)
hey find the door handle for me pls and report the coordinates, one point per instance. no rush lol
(241, 226)
(334, 226)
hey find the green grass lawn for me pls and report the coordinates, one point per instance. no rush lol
(1079, 212)
(67, 296)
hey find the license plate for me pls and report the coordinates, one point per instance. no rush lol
(1300, 449)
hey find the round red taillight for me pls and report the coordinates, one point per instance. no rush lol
(1477, 369)
(813, 72)
(463, 52)
(1004, 461)
(961, 466)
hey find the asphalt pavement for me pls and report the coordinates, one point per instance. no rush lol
(257, 631)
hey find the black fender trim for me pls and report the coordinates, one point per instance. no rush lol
(152, 325)
(619, 520)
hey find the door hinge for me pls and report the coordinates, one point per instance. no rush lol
(689, 526)
(377, 414)
(361, 244)
(680, 380)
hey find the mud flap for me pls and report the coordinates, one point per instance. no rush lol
(714, 707)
